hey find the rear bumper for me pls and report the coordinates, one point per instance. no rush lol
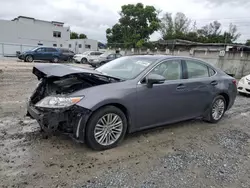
(71, 120)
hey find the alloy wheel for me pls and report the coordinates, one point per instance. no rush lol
(218, 109)
(108, 129)
(55, 60)
(29, 58)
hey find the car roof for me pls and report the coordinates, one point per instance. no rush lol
(46, 47)
(93, 51)
(165, 57)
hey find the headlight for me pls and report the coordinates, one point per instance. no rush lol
(242, 80)
(58, 102)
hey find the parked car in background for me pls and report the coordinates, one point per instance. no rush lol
(104, 58)
(244, 85)
(66, 54)
(47, 53)
(126, 95)
(86, 56)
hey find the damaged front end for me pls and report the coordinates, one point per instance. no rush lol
(51, 103)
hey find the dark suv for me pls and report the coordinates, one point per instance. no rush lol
(47, 53)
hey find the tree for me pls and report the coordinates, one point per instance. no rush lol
(174, 27)
(73, 35)
(82, 36)
(178, 27)
(233, 34)
(248, 42)
(135, 25)
(115, 36)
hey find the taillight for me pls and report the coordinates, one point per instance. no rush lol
(235, 82)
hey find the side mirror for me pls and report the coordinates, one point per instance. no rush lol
(154, 79)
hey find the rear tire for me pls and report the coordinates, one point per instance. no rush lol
(217, 110)
(55, 60)
(29, 58)
(97, 128)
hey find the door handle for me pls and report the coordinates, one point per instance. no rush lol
(180, 87)
(214, 83)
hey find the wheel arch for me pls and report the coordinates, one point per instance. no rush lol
(119, 106)
(29, 55)
(226, 97)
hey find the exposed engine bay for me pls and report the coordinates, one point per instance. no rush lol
(67, 84)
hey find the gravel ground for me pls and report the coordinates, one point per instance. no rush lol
(187, 154)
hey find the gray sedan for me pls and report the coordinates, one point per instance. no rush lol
(128, 94)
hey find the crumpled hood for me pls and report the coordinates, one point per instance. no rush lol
(45, 70)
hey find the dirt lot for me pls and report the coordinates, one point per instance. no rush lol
(187, 154)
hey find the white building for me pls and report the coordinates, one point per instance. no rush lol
(24, 33)
(82, 45)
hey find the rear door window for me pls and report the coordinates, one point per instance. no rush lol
(51, 50)
(196, 69)
(118, 55)
(98, 53)
(111, 56)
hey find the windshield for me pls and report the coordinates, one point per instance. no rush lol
(34, 49)
(85, 53)
(126, 67)
(104, 55)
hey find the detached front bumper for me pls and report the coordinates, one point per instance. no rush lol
(71, 120)
(21, 57)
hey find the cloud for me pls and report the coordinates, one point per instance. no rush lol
(229, 2)
(95, 16)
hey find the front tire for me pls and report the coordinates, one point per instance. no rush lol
(217, 109)
(29, 58)
(84, 60)
(106, 128)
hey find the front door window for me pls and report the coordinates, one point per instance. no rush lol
(171, 70)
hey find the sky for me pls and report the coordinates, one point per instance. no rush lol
(93, 17)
